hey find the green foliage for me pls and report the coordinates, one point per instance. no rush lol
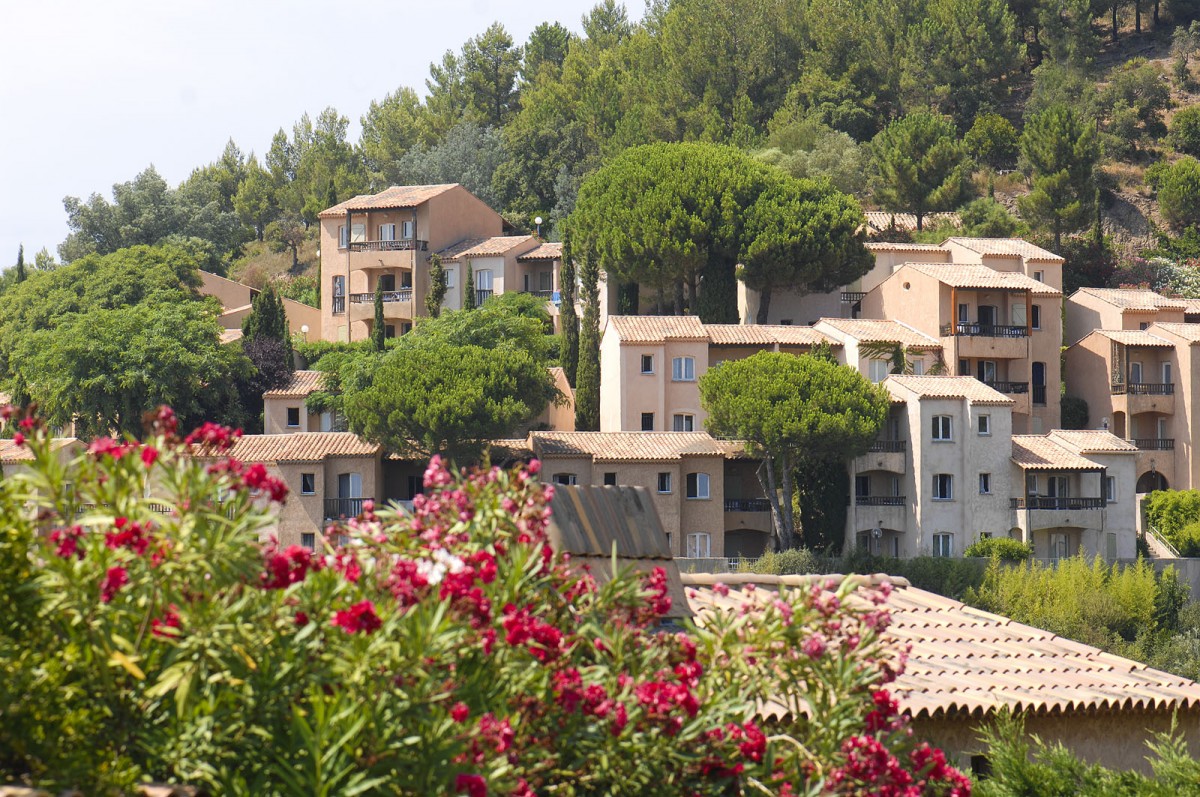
(1060, 150)
(378, 330)
(1185, 131)
(1074, 413)
(303, 289)
(1164, 274)
(821, 502)
(796, 411)
(1175, 514)
(587, 369)
(923, 166)
(437, 286)
(794, 561)
(809, 148)
(1141, 88)
(569, 320)
(1090, 261)
(468, 287)
(1179, 193)
(254, 201)
(987, 218)
(1006, 549)
(390, 128)
(992, 141)
(287, 233)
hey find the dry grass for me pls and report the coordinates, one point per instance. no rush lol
(1125, 176)
(261, 264)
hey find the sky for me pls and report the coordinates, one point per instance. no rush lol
(94, 92)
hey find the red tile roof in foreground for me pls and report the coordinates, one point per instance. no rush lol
(965, 661)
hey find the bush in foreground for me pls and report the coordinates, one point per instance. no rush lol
(448, 652)
(1005, 548)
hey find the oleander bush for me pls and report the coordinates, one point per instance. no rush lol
(450, 651)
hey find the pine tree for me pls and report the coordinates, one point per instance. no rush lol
(268, 319)
(1061, 148)
(437, 287)
(469, 288)
(21, 263)
(923, 166)
(377, 329)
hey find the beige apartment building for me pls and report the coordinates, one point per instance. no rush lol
(237, 300)
(1090, 309)
(387, 239)
(855, 335)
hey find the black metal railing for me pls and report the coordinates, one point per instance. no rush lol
(481, 295)
(984, 330)
(401, 245)
(888, 447)
(1046, 502)
(402, 295)
(344, 507)
(1144, 389)
(879, 500)
(1008, 388)
(339, 305)
(852, 297)
(1039, 395)
(1155, 443)
(541, 294)
(747, 505)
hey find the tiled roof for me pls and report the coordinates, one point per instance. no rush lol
(939, 387)
(981, 278)
(398, 196)
(547, 251)
(1133, 337)
(765, 335)
(1191, 306)
(879, 330)
(11, 453)
(657, 328)
(300, 447)
(1137, 299)
(1189, 332)
(1007, 247)
(626, 446)
(965, 661)
(484, 247)
(885, 246)
(881, 220)
(1093, 441)
(1041, 452)
(300, 385)
(230, 335)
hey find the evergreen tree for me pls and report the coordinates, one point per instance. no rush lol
(1060, 149)
(267, 317)
(21, 263)
(437, 286)
(569, 318)
(469, 288)
(377, 329)
(923, 166)
(587, 376)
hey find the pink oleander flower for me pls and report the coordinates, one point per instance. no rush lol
(359, 617)
(114, 579)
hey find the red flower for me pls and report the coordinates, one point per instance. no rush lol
(130, 535)
(149, 455)
(289, 567)
(114, 579)
(167, 624)
(106, 446)
(359, 617)
(459, 712)
(214, 435)
(301, 619)
(19, 439)
(67, 541)
(472, 785)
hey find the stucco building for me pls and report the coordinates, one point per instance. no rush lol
(1089, 309)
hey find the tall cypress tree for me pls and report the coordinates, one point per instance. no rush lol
(377, 329)
(268, 319)
(21, 263)
(587, 379)
(437, 287)
(570, 320)
(469, 288)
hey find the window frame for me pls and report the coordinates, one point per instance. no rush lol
(648, 416)
(698, 537)
(664, 478)
(312, 478)
(985, 484)
(387, 232)
(647, 359)
(290, 411)
(610, 479)
(941, 480)
(308, 539)
(682, 419)
(1110, 489)
(680, 368)
(943, 544)
(697, 486)
(873, 365)
(565, 479)
(984, 425)
(1035, 316)
(943, 429)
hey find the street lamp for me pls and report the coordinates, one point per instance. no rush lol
(538, 221)
(304, 332)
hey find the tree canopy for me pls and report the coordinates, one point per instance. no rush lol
(923, 166)
(1061, 151)
(795, 411)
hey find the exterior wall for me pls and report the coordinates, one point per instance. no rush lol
(301, 315)
(559, 418)
(1086, 313)
(229, 293)
(625, 392)
(275, 416)
(1086, 529)
(1115, 739)
(616, 378)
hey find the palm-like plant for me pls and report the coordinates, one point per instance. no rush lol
(900, 356)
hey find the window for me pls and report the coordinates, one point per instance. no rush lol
(1018, 314)
(1060, 546)
(647, 363)
(943, 487)
(664, 482)
(308, 540)
(387, 232)
(647, 421)
(389, 330)
(785, 322)
(339, 294)
(862, 485)
(697, 485)
(610, 479)
(407, 229)
(358, 233)
(683, 369)
(985, 484)
(343, 240)
(1166, 373)
(308, 484)
(943, 544)
(565, 478)
(1039, 276)
(985, 425)
(986, 371)
(1111, 545)
(405, 327)
(1035, 316)
(964, 367)
(683, 423)
(387, 283)
(293, 417)
(943, 428)
(918, 367)
(699, 545)
(877, 370)
(1135, 373)
(451, 277)
(1110, 489)
(1144, 325)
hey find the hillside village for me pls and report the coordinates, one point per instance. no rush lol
(607, 426)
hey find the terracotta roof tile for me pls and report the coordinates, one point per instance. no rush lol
(547, 251)
(1134, 337)
(882, 220)
(398, 196)
(300, 385)
(939, 387)
(885, 246)
(657, 328)
(1136, 299)
(1042, 452)
(1006, 247)
(230, 335)
(980, 277)
(10, 453)
(301, 447)
(627, 446)
(1093, 441)
(765, 335)
(485, 247)
(879, 330)
(968, 661)
(1188, 332)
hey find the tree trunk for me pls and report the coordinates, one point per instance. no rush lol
(764, 305)
(766, 480)
(295, 257)
(258, 230)
(920, 219)
(1114, 22)
(1137, 16)
(789, 490)
(1156, 13)
(678, 298)
(662, 299)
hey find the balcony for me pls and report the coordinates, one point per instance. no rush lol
(1144, 389)
(401, 245)
(482, 295)
(1039, 395)
(973, 330)
(1012, 388)
(747, 505)
(879, 500)
(1154, 443)
(336, 508)
(852, 297)
(1136, 397)
(339, 305)
(1046, 502)
(888, 447)
(550, 296)
(402, 295)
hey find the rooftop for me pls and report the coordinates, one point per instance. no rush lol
(980, 278)
(1093, 441)
(1135, 299)
(1006, 247)
(300, 385)
(657, 328)
(485, 247)
(1133, 337)
(547, 251)
(879, 330)
(10, 453)
(306, 447)
(965, 661)
(1188, 332)
(765, 335)
(398, 196)
(887, 246)
(944, 387)
(1043, 452)
(628, 446)
(882, 221)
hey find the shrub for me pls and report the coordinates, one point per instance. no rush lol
(992, 141)
(797, 561)
(1185, 131)
(444, 652)
(1179, 193)
(1074, 413)
(1187, 540)
(1005, 548)
(1172, 511)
